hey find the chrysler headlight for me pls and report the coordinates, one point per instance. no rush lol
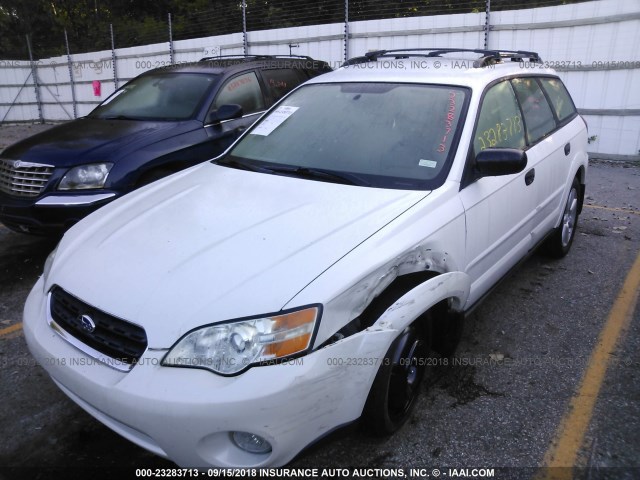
(231, 347)
(86, 176)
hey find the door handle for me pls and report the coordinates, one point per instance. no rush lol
(567, 148)
(530, 176)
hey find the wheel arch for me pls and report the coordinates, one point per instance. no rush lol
(407, 298)
(423, 276)
(452, 287)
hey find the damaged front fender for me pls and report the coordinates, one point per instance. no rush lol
(454, 286)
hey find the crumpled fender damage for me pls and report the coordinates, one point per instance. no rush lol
(453, 285)
(362, 294)
(445, 283)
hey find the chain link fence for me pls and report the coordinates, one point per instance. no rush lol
(96, 31)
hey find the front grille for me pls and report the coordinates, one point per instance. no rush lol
(111, 336)
(23, 179)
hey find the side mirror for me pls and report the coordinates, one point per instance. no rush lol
(225, 112)
(493, 162)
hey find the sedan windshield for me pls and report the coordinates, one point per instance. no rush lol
(381, 135)
(165, 96)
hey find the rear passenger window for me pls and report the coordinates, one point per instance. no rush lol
(280, 82)
(243, 90)
(499, 122)
(560, 99)
(538, 118)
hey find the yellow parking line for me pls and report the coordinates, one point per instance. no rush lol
(614, 209)
(570, 436)
(11, 329)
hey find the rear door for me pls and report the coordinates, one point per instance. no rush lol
(547, 152)
(570, 140)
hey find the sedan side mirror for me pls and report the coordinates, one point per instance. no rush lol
(493, 162)
(225, 112)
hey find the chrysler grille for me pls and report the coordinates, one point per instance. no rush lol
(23, 179)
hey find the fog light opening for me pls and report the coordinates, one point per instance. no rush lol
(251, 443)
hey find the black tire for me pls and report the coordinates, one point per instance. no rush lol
(559, 242)
(448, 328)
(397, 383)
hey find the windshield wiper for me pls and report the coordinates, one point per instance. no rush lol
(320, 174)
(229, 162)
(119, 117)
(295, 171)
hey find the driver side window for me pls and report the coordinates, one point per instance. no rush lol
(499, 122)
(243, 90)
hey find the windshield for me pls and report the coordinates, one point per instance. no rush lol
(163, 96)
(388, 135)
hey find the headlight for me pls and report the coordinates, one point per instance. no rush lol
(47, 264)
(85, 176)
(231, 347)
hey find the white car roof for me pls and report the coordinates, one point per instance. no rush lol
(434, 70)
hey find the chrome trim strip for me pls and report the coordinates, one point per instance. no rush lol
(22, 164)
(62, 200)
(108, 361)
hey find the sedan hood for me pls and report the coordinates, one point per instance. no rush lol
(213, 243)
(92, 139)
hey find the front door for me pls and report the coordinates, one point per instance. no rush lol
(243, 90)
(499, 210)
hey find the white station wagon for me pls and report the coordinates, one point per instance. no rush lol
(234, 313)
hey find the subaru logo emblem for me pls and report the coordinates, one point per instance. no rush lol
(87, 323)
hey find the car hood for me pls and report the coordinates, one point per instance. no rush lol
(92, 139)
(213, 243)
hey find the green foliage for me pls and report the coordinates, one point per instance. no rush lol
(21, 17)
(139, 22)
(86, 22)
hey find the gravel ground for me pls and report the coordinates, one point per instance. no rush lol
(12, 133)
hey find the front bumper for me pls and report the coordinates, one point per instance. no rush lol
(187, 415)
(53, 213)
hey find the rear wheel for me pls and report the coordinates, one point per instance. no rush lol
(559, 243)
(396, 386)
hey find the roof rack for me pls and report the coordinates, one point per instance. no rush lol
(254, 57)
(488, 57)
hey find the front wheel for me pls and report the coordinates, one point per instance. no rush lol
(559, 243)
(396, 386)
